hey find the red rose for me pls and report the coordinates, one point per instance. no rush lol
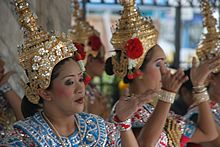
(95, 42)
(134, 48)
(80, 50)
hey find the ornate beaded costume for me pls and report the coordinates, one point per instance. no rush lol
(7, 116)
(35, 131)
(177, 130)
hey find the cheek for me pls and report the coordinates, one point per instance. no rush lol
(153, 74)
(62, 91)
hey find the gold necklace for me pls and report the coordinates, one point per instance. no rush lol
(55, 130)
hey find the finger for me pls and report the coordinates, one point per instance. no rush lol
(194, 62)
(163, 68)
(179, 74)
(214, 64)
(184, 79)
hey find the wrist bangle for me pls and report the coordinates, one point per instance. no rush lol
(166, 96)
(199, 89)
(5, 87)
(201, 97)
(122, 125)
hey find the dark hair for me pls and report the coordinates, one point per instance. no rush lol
(188, 84)
(109, 66)
(28, 108)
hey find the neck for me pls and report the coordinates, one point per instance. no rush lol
(64, 125)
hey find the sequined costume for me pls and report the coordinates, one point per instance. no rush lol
(215, 108)
(35, 131)
(7, 116)
(177, 130)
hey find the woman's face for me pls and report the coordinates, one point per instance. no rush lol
(152, 75)
(68, 89)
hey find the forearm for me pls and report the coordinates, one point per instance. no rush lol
(151, 131)
(15, 102)
(206, 122)
(128, 139)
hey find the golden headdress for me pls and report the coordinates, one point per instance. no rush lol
(40, 51)
(209, 46)
(84, 36)
(134, 36)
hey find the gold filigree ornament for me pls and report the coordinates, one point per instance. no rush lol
(40, 51)
(209, 45)
(132, 28)
(83, 33)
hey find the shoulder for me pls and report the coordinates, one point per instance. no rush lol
(17, 137)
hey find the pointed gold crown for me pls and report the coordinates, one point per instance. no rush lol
(209, 46)
(40, 51)
(85, 34)
(132, 25)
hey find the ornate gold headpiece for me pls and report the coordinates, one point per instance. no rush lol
(84, 36)
(40, 51)
(134, 36)
(209, 46)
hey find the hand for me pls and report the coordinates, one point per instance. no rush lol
(172, 82)
(4, 76)
(200, 72)
(126, 106)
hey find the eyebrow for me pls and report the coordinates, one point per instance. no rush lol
(71, 75)
(159, 59)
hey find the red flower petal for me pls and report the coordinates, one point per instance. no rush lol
(95, 42)
(134, 48)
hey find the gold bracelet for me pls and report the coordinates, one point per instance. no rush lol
(166, 96)
(201, 97)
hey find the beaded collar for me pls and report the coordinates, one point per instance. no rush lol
(92, 131)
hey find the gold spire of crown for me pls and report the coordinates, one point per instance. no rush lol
(40, 51)
(209, 46)
(82, 32)
(131, 25)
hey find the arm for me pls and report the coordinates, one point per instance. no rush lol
(15, 102)
(206, 130)
(124, 109)
(152, 130)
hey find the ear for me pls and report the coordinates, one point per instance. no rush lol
(45, 94)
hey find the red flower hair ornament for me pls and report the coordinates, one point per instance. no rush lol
(95, 42)
(134, 50)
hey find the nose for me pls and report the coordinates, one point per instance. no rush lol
(80, 87)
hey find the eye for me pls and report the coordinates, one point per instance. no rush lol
(69, 82)
(158, 64)
(81, 79)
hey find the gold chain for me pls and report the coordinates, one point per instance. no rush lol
(55, 130)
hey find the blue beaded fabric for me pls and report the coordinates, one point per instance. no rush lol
(35, 131)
